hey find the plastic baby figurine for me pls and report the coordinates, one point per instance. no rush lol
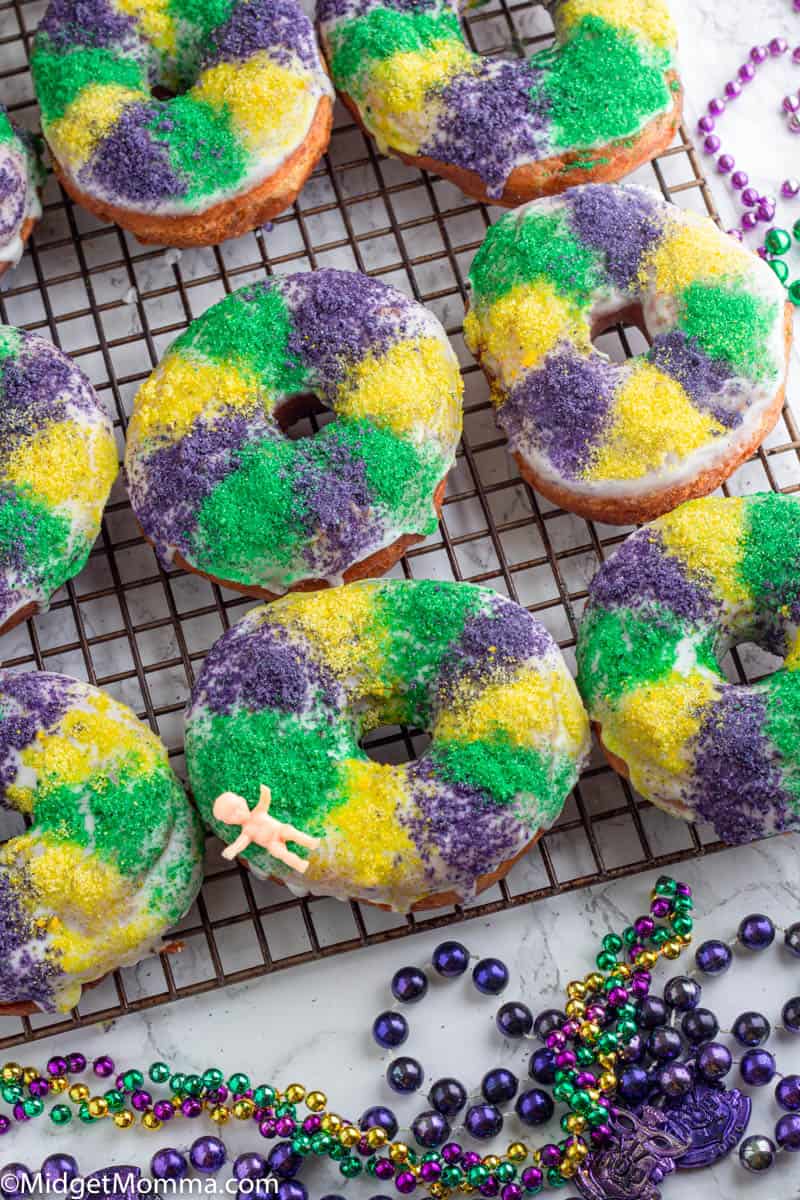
(259, 828)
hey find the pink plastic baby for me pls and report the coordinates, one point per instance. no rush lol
(260, 828)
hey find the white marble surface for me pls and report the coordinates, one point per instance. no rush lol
(311, 1023)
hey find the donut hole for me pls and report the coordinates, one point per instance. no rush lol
(753, 656)
(394, 744)
(12, 824)
(623, 317)
(302, 416)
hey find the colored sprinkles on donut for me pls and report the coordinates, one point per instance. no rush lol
(58, 460)
(113, 854)
(422, 91)
(551, 271)
(214, 478)
(246, 79)
(286, 696)
(662, 613)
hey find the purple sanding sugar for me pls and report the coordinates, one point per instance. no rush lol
(641, 570)
(623, 223)
(493, 642)
(494, 117)
(263, 667)
(339, 316)
(701, 377)
(130, 165)
(28, 703)
(37, 387)
(13, 189)
(71, 23)
(279, 26)
(332, 10)
(561, 409)
(471, 833)
(179, 477)
(25, 974)
(336, 501)
(737, 784)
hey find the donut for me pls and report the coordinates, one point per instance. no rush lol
(21, 176)
(626, 442)
(184, 122)
(58, 460)
(662, 613)
(112, 854)
(218, 486)
(285, 696)
(601, 101)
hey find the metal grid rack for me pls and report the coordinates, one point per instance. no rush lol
(129, 627)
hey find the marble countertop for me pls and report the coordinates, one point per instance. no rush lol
(311, 1023)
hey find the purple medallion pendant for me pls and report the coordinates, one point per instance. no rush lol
(712, 1120)
(644, 1150)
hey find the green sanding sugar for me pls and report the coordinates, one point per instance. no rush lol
(731, 323)
(32, 533)
(203, 15)
(519, 250)
(6, 129)
(381, 33)
(397, 472)
(239, 752)
(130, 813)
(268, 501)
(203, 149)
(249, 329)
(432, 616)
(782, 725)
(601, 85)
(60, 77)
(618, 650)
(770, 565)
(504, 770)
(253, 508)
(10, 342)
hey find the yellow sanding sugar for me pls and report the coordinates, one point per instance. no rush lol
(66, 463)
(650, 18)
(524, 325)
(88, 119)
(708, 537)
(175, 395)
(271, 106)
(97, 732)
(525, 710)
(694, 249)
(414, 387)
(344, 636)
(402, 92)
(652, 419)
(155, 21)
(367, 842)
(655, 723)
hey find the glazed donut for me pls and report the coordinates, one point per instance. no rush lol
(625, 442)
(58, 460)
(21, 177)
(248, 115)
(113, 854)
(604, 99)
(285, 696)
(662, 613)
(219, 487)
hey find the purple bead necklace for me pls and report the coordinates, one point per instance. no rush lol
(758, 209)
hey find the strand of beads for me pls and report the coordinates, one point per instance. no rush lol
(777, 244)
(581, 1049)
(751, 1031)
(758, 208)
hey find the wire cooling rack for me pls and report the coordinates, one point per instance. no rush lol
(127, 626)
